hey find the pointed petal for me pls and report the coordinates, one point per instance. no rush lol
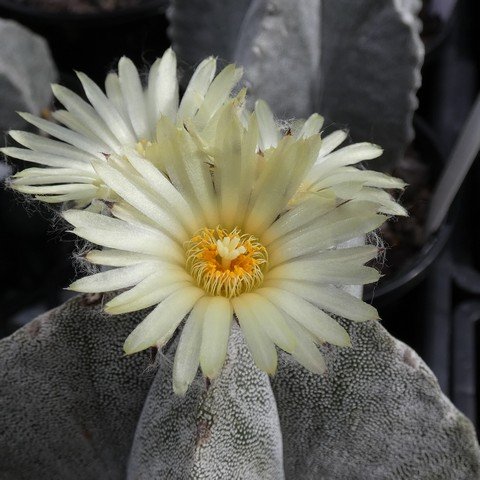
(216, 331)
(158, 327)
(329, 298)
(187, 356)
(314, 320)
(132, 92)
(197, 89)
(272, 320)
(260, 346)
(269, 133)
(113, 279)
(163, 88)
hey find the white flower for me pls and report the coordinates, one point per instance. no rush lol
(123, 118)
(241, 221)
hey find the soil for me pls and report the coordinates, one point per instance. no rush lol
(79, 6)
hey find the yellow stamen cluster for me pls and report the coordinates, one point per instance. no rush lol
(226, 263)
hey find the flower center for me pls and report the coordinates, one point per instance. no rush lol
(226, 263)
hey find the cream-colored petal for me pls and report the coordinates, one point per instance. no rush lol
(260, 346)
(46, 159)
(296, 218)
(217, 94)
(269, 132)
(162, 187)
(150, 291)
(162, 92)
(107, 111)
(197, 88)
(306, 353)
(338, 266)
(349, 155)
(322, 237)
(331, 142)
(158, 327)
(284, 171)
(329, 298)
(227, 169)
(129, 190)
(55, 189)
(65, 134)
(314, 320)
(113, 233)
(187, 356)
(189, 170)
(133, 96)
(272, 320)
(85, 114)
(117, 258)
(114, 94)
(216, 331)
(73, 123)
(312, 126)
(47, 145)
(113, 279)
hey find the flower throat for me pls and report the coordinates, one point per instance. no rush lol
(226, 263)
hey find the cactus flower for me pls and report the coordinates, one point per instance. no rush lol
(236, 219)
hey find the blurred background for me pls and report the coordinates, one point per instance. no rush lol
(429, 296)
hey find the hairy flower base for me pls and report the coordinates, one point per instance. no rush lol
(226, 263)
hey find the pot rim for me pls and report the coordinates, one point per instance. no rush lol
(36, 14)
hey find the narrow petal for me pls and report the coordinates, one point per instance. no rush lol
(187, 356)
(322, 238)
(133, 96)
(331, 142)
(296, 218)
(329, 298)
(340, 266)
(217, 94)
(46, 159)
(85, 114)
(113, 233)
(306, 353)
(197, 88)
(73, 138)
(150, 291)
(260, 346)
(107, 111)
(269, 132)
(216, 330)
(47, 145)
(55, 189)
(73, 123)
(139, 199)
(158, 327)
(272, 320)
(228, 170)
(312, 126)
(163, 88)
(350, 155)
(114, 94)
(113, 279)
(117, 258)
(314, 320)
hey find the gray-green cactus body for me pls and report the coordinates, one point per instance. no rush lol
(78, 409)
